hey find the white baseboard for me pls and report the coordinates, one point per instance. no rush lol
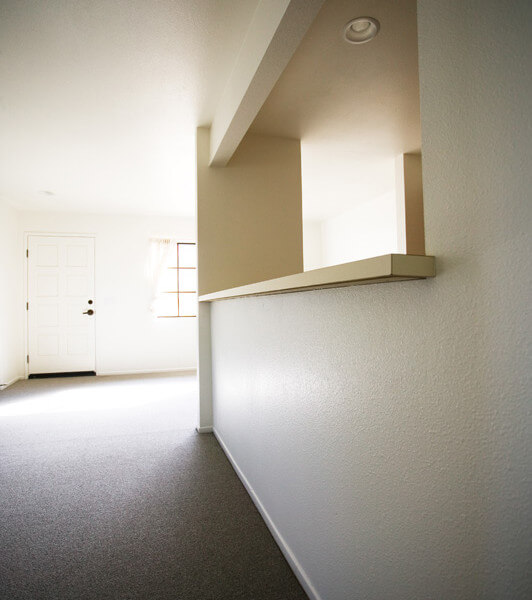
(285, 549)
(4, 386)
(204, 429)
(144, 372)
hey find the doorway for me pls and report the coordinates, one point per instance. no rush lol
(60, 306)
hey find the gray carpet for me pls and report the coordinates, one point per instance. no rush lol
(107, 492)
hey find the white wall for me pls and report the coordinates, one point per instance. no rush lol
(368, 229)
(11, 350)
(386, 428)
(128, 337)
(312, 245)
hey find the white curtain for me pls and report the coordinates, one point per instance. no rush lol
(159, 255)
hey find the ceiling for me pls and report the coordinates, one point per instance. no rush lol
(100, 99)
(354, 107)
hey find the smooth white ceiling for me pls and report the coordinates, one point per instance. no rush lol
(100, 99)
(354, 107)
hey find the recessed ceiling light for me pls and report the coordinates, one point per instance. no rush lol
(361, 30)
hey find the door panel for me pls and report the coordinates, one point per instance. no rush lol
(60, 283)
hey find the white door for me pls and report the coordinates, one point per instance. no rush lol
(61, 304)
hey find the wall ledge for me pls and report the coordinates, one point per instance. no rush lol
(379, 269)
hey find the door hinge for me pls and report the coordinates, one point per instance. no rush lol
(27, 358)
(27, 305)
(27, 253)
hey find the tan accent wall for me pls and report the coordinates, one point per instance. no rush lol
(409, 192)
(249, 213)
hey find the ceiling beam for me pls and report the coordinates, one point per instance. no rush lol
(277, 28)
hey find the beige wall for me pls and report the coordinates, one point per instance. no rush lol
(249, 213)
(409, 198)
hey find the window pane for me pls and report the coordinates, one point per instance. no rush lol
(187, 280)
(187, 255)
(168, 280)
(166, 305)
(172, 257)
(188, 305)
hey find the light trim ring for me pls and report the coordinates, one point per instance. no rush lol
(361, 30)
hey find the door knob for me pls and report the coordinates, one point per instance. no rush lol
(89, 312)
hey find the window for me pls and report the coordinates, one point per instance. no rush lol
(177, 296)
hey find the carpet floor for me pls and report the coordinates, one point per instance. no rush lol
(107, 492)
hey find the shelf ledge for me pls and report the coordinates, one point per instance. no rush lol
(380, 269)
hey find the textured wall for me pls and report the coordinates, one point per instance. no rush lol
(385, 428)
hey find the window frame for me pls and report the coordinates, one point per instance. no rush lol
(178, 292)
